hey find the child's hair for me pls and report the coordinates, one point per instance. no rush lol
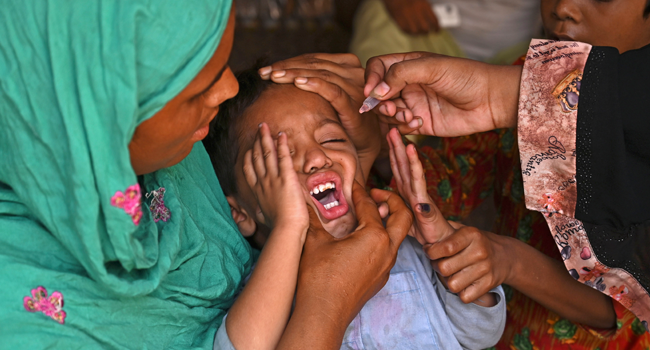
(646, 11)
(222, 143)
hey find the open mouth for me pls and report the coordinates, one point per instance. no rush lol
(325, 190)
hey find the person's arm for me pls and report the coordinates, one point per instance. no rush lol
(258, 317)
(414, 17)
(476, 325)
(410, 179)
(338, 78)
(475, 261)
(338, 276)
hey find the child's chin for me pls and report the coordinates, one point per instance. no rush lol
(342, 226)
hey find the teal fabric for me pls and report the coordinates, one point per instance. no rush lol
(76, 78)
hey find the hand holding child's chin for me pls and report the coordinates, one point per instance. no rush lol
(342, 274)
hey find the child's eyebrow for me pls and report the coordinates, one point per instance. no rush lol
(329, 121)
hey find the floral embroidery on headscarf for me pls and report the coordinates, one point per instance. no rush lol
(129, 201)
(51, 306)
(158, 209)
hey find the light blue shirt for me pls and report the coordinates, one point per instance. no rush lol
(415, 311)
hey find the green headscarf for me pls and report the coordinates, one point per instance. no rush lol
(76, 78)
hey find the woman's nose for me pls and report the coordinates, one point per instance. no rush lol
(567, 10)
(224, 89)
(315, 160)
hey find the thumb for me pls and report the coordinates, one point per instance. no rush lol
(400, 218)
(365, 207)
(434, 226)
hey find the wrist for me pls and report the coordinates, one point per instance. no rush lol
(290, 230)
(504, 100)
(308, 328)
(525, 263)
(511, 252)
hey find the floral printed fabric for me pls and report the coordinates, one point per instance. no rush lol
(550, 87)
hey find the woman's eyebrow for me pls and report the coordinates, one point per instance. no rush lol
(216, 79)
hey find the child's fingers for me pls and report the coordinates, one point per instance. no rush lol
(383, 209)
(401, 161)
(249, 169)
(404, 115)
(258, 157)
(418, 182)
(393, 161)
(268, 151)
(387, 109)
(284, 156)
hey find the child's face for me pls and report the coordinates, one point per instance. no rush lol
(323, 155)
(616, 23)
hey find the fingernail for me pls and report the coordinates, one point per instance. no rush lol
(381, 89)
(301, 80)
(279, 73)
(259, 125)
(280, 133)
(265, 70)
(415, 123)
(423, 208)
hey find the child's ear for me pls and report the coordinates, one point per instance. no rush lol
(244, 221)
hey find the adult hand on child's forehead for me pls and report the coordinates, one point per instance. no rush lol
(338, 78)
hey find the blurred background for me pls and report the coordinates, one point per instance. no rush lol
(287, 28)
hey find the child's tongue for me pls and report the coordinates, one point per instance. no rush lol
(332, 206)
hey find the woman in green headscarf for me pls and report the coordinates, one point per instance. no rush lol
(114, 232)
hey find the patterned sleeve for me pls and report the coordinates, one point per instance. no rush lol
(570, 159)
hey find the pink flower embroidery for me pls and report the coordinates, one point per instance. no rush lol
(129, 201)
(158, 209)
(49, 306)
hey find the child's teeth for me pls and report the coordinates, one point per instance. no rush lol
(322, 187)
(329, 206)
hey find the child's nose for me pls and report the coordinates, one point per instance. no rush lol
(315, 160)
(567, 10)
(222, 90)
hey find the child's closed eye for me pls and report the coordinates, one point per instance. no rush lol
(334, 141)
